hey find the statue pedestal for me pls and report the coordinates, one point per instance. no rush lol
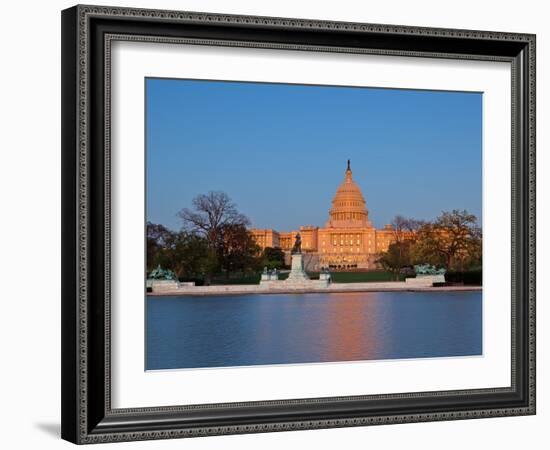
(163, 285)
(268, 278)
(297, 272)
(297, 279)
(425, 280)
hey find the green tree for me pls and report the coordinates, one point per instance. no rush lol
(453, 240)
(399, 253)
(188, 254)
(183, 252)
(396, 257)
(273, 258)
(237, 251)
(157, 238)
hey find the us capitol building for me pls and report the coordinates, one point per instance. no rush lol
(347, 241)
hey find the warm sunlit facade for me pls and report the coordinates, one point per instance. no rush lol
(348, 239)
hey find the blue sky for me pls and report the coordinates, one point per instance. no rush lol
(279, 151)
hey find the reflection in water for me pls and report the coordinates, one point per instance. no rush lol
(192, 332)
(352, 333)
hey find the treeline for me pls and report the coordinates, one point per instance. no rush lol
(214, 241)
(452, 241)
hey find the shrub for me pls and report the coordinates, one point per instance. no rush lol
(408, 272)
(469, 277)
(473, 277)
(197, 281)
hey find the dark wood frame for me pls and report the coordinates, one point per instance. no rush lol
(87, 416)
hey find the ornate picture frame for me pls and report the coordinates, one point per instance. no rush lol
(87, 35)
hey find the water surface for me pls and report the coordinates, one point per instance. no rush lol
(244, 330)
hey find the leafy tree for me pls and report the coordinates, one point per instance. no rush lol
(399, 253)
(185, 253)
(452, 240)
(157, 237)
(188, 254)
(396, 257)
(237, 250)
(273, 258)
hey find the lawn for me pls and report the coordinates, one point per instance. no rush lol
(337, 277)
(239, 279)
(363, 277)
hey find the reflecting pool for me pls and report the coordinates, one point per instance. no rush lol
(244, 330)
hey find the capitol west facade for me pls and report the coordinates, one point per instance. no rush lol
(347, 241)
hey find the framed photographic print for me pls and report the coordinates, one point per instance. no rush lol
(276, 224)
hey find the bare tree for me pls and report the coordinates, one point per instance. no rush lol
(405, 229)
(211, 213)
(399, 227)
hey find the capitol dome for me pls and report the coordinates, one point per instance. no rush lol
(348, 206)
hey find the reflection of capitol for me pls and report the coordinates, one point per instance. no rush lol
(348, 239)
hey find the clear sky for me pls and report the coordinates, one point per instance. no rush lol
(279, 151)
